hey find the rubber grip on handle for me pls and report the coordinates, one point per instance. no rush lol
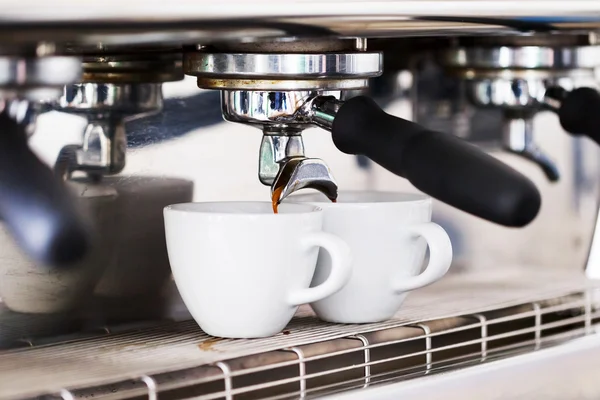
(441, 165)
(35, 205)
(579, 113)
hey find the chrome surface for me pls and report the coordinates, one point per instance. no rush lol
(276, 148)
(283, 66)
(102, 152)
(138, 67)
(276, 71)
(299, 173)
(291, 109)
(37, 78)
(282, 85)
(515, 79)
(525, 57)
(519, 99)
(99, 99)
(509, 94)
(517, 73)
(282, 116)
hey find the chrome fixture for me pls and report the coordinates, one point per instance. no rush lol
(116, 88)
(283, 72)
(37, 78)
(515, 78)
(279, 93)
(283, 116)
(107, 106)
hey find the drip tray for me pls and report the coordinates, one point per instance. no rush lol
(464, 320)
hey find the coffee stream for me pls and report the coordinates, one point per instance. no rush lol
(275, 199)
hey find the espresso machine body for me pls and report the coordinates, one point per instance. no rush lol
(113, 111)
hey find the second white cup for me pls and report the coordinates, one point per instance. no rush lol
(387, 233)
(242, 271)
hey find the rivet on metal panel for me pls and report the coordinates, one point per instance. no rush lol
(484, 333)
(227, 378)
(66, 395)
(151, 384)
(428, 356)
(588, 311)
(538, 325)
(302, 369)
(365, 343)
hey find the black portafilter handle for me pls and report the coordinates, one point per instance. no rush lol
(440, 165)
(35, 204)
(579, 111)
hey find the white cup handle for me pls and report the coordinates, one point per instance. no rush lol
(341, 270)
(440, 258)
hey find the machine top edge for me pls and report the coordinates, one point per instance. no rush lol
(203, 10)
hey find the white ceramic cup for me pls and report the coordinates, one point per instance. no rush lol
(387, 234)
(242, 271)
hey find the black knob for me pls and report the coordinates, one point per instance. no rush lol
(441, 165)
(35, 204)
(579, 111)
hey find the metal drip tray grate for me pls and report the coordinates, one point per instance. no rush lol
(463, 320)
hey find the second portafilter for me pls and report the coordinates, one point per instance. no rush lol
(525, 76)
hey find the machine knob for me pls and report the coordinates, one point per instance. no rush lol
(578, 110)
(34, 203)
(441, 165)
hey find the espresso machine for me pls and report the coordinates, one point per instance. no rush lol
(113, 111)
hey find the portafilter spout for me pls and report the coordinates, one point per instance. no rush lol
(282, 116)
(304, 173)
